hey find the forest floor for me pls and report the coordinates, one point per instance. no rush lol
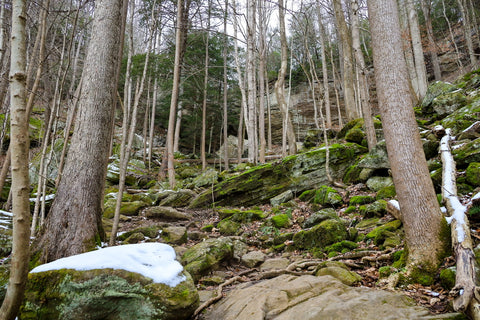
(434, 297)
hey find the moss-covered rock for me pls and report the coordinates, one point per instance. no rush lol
(386, 193)
(341, 247)
(297, 173)
(385, 271)
(345, 276)
(179, 198)
(467, 153)
(317, 217)
(355, 135)
(206, 255)
(321, 235)
(380, 233)
(126, 209)
(327, 196)
(358, 200)
(135, 237)
(207, 178)
(281, 221)
(174, 235)
(435, 90)
(377, 158)
(463, 117)
(105, 294)
(473, 174)
(376, 209)
(282, 198)
(228, 227)
(377, 183)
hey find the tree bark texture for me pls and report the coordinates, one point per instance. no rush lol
(251, 115)
(19, 160)
(347, 62)
(73, 225)
(422, 218)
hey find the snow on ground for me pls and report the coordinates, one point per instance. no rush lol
(152, 260)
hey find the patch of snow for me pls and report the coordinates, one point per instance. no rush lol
(474, 124)
(443, 209)
(395, 204)
(152, 260)
(6, 213)
(438, 127)
(477, 196)
(47, 197)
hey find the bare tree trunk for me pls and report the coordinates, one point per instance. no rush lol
(422, 219)
(74, 222)
(426, 9)
(261, 77)
(452, 37)
(241, 84)
(407, 49)
(205, 94)
(19, 154)
(269, 113)
(326, 90)
(280, 83)
(337, 98)
(152, 122)
(225, 88)
(347, 62)
(175, 90)
(467, 29)
(251, 116)
(362, 80)
(417, 49)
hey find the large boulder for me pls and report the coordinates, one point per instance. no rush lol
(321, 235)
(297, 173)
(308, 297)
(206, 255)
(124, 282)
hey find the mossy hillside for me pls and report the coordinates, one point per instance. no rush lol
(327, 196)
(126, 208)
(463, 117)
(297, 173)
(281, 221)
(434, 91)
(318, 217)
(379, 231)
(105, 294)
(243, 216)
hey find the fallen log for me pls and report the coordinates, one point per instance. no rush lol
(466, 293)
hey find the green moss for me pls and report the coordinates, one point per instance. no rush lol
(355, 135)
(321, 235)
(229, 227)
(385, 271)
(473, 174)
(342, 246)
(423, 276)
(447, 278)
(399, 259)
(151, 232)
(376, 209)
(352, 175)
(307, 195)
(326, 195)
(386, 193)
(358, 200)
(390, 226)
(281, 221)
(208, 228)
(350, 209)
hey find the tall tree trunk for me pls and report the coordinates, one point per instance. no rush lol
(19, 160)
(280, 83)
(362, 80)
(225, 88)
(241, 85)
(422, 219)
(205, 94)
(175, 90)
(251, 116)
(326, 90)
(262, 24)
(407, 49)
(347, 62)
(417, 49)
(152, 122)
(74, 223)
(426, 9)
(467, 29)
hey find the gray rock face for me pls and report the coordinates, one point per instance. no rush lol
(253, 258)
(308, 297)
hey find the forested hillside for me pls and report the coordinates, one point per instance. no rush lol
(313, 149)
